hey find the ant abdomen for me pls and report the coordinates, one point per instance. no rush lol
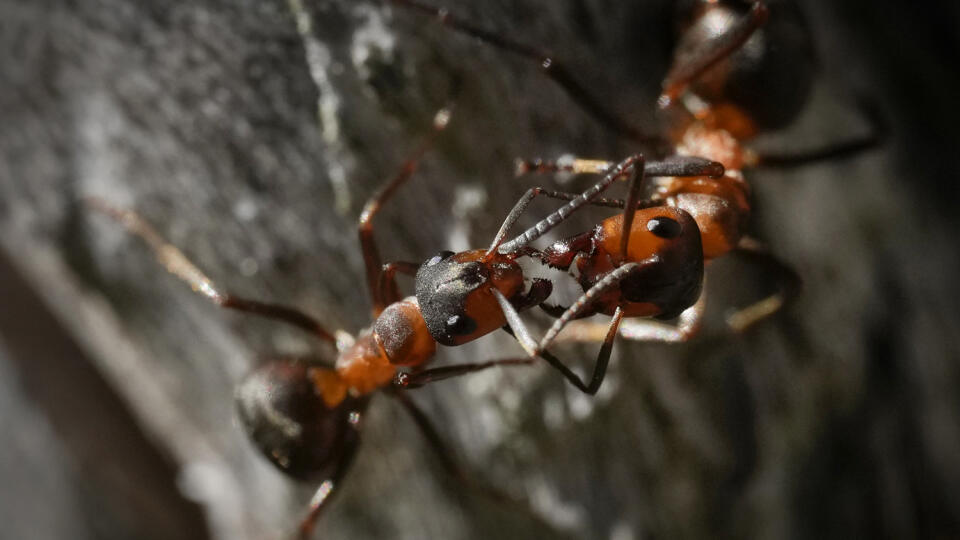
(763, 85)
(299, 417)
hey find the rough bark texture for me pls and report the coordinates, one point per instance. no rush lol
(250, 133)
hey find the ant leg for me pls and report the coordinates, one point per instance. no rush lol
(175, 262)
(675, 165)
(583, 304)
(322, 497)
(429, 432)
(416, 379)
(579, 308)
(552, 67)
(687, 68)
(573, 166)
(539, 291)
(599, 367)
(688, 325)
(603, 359)
(387, 282)
(368, 244)
(790, 283)
(447, 459)
(840, 150)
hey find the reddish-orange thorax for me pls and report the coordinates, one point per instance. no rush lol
(720, 206)
(398, 337)
(364, 366)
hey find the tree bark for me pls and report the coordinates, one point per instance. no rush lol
(251, 132)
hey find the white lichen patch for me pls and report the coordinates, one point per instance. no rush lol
(546, 501)
(371, 39)
(467, 200)
(100, 126)
(320, 64)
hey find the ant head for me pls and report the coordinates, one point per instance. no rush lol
(664, 232)
(454, 292)
(666, 242)
(764, 84)
(300, 418)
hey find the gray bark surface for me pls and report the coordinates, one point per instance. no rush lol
(251, 132)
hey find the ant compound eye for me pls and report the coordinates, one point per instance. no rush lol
(442, 256)
(664, 227)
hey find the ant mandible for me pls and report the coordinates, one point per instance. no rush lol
(304, 415)
(716, 95)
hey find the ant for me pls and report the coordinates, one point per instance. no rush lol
(724, 87)
(304, 414)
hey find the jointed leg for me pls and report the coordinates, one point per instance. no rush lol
(371, 253)
(573, 166)
(581, 306)
(175, 262)
(603, 359)
(446, 457)
(690, 321)
(599, 367)
(321, 498)
(688, 325)
(389, 293)
(416, 379)
(551, 66)
(539, 291)
(790, 283)
(671, 166)
(874, 138)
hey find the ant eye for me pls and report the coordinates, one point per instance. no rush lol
(460, 325)
(664, 227)
(443, 255)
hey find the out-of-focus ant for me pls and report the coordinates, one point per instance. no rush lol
(734, 74)
(304, 414)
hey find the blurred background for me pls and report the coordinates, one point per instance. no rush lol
(251, 132)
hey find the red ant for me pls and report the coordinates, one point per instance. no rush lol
(716, 94)
(304, 414)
